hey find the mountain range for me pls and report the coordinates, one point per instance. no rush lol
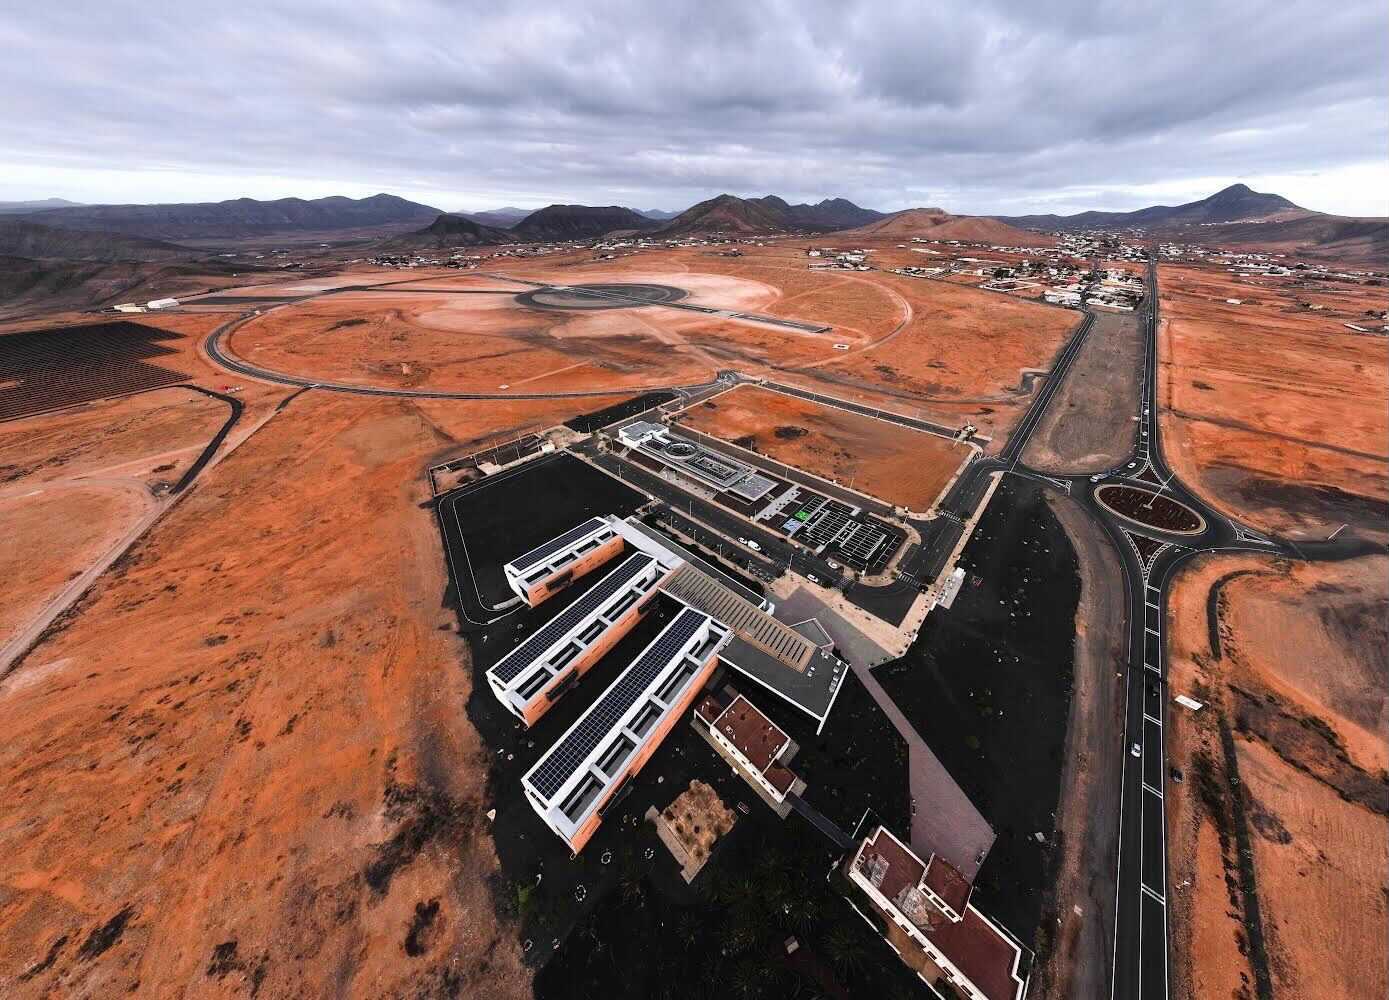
(1239, 216)
(239, 217)
(727, 214)
(580, 222)
(1236, 215)
(26, 207)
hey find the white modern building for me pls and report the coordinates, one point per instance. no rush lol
(585, 772)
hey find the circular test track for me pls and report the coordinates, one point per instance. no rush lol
(591, 297)
(219, 353)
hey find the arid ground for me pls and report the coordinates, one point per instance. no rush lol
(1274, 410)
(1090, 425)
(1279, 832)
(893, 463)
(948, 352)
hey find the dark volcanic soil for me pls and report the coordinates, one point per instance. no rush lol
(988, 684)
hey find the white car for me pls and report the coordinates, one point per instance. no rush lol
(1136, 750)
(750, 544)
(813, 579)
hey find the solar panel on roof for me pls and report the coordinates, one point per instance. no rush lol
(525, 562)
(513, 663)
(557, 766)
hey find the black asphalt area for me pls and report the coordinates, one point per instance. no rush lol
(489, 522)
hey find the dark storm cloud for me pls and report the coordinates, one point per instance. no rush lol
(982, 106)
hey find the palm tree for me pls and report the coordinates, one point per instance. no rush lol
(845, 949)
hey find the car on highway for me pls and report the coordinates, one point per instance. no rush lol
(1097, 477)
(750, 544)
(813, 579)
(1136, 750)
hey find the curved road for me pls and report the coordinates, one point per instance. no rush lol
(1140, 957)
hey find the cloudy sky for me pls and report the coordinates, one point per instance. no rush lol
(981, 107)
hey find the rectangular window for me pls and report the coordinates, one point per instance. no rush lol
(676, 681)
(577, 801)
(646, 718)
(616, 755)
(528, 688)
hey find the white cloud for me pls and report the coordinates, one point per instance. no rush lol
(984, 107)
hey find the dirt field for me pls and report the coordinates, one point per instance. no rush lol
(1297, 684)
(960, 358)
(151, 437)
(257, 726)
(893, 463)
(1274, 411)
(1076, 935)
(53, 534)
(1089, 426)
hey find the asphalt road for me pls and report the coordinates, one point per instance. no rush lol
(1141, 959)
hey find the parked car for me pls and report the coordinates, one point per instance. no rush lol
(750, 544)
(1136, 750)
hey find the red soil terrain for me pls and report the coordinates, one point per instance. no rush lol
(257, 725)
(893, 463)
(1296, 677)
(1275, 411)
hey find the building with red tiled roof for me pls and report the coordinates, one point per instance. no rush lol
(755, 743)
(929, 901)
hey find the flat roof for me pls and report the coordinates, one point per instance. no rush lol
(590, 605)
(812, 690)
(554, 770)
(976, 946)
(945, 880)
(699, 590)
(524, 562)
(757, 738)
(683, 552)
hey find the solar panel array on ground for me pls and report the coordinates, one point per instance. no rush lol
(43, 370)
(863, 543)
(557, 766)
(510, 666)
(826, 526)
(554, 545)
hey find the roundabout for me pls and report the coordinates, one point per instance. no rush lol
(1151, 510)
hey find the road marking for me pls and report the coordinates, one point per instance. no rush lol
(1150, 604)
(1149, 788)
(1154, 895)
(1154, 669)
(1152, 631)
(1149, 718)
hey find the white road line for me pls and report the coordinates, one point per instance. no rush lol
(1154, 669)
(1153, 895)
(1149, 718)
(1149, 788)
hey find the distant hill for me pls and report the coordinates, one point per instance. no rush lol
(448, 231)
(579, 222)
(938, 224)
(659, 214)
(20, 238)
(239, 217)
(497, 218)
(729, 215)
(1236, 203)
(13, 207)
(1238, 215)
